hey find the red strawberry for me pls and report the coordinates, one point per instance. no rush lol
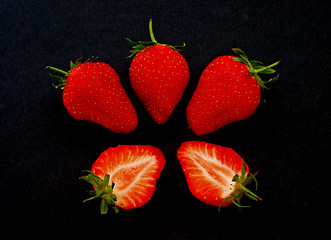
(215, 175)
(158, 75)
(93, 92)
(125, 176)
(229, 90)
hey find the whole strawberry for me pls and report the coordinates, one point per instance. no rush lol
(158, 75)
(92, 91)
(229, 90)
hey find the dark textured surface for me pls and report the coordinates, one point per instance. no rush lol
(43, 149)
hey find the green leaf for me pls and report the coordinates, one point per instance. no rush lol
(133, 51)
(132, 42)
(235, 178)
(177, 47)
(252, 176)
(106, 180)
(274, 79)
(237, 203)
(94, 197)
(57, 70)
(113, 196)
(257, 67)
(268, 71)
(243, 171)
(57, 78)
(103, 207)
(139, 47)
(110, 188)
(91, 179)
(240, 52)
(61, 86)
(102, 190)
(259, 80)
(150, 43)
(116, 210)
(256, 63)
(225, 200)
(241, 60)
(180, 46)
(78, 61)
(72, 65)
(100, 193)
(250, 196)
(91, 59)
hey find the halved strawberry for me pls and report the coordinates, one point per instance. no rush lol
(215, 175)
(125, 176)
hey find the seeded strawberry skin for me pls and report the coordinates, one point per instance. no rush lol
(159, 75)
(226, 93)
(94, 93)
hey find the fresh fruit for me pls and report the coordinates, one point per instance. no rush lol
(125, 176)
(92, 91)
(158, 75)
(215, 175)
(229, 90)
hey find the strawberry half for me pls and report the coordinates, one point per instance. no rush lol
(158, 75)
(92, 91)
(125, 176)
(229, 90)
(215, 175)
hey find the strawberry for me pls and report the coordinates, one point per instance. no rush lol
(215, 175)
(92, 91)
(158, 75)
(229, 90)
(125, 176)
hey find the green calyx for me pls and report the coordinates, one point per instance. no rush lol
(240, 190)
(137, 47)
(102, 190)
(256, 67)
(62, 80)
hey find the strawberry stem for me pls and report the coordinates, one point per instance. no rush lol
(151, 31)
(267, 67)
(140, 46)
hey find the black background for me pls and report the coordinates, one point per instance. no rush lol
(43, 149)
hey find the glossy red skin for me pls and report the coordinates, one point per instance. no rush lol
(134, 169)
(226, 93)
(159, 75)
(94, 93)
(227, 161)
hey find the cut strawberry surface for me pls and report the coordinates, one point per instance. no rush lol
(215, 175)
(131, 171)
